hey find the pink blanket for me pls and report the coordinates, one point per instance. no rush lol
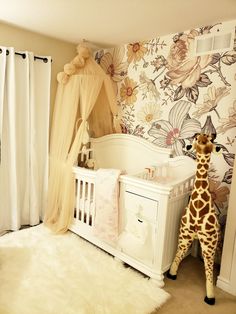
(106, 200)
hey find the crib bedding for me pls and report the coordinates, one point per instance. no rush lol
(106, 200)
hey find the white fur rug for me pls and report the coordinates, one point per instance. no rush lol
(43, 273)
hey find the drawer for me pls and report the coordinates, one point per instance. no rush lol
(145, 208)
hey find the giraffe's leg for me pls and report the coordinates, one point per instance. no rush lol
(182, 249)
(208, 253)
(186, 238)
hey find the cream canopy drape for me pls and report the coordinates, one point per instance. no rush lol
(82, 86)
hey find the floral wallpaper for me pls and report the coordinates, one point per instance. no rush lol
(166, 95)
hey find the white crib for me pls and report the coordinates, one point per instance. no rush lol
(153, 193)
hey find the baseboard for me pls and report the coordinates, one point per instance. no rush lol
(225, 285)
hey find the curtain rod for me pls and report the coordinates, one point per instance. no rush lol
(45, 60)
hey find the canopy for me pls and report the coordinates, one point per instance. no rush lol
(85, 103)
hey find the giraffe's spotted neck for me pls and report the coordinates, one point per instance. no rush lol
(203, 161)
(201, 194)
(201, 180)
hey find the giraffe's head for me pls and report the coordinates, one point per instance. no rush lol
(204, 144)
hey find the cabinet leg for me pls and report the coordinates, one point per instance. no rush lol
(158, 281)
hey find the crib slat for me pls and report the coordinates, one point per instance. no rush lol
(78, 199)
(88, 203)
(82, 207)
(93, 204)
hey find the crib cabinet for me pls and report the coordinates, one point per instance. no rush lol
(160, 210)
(138, 228)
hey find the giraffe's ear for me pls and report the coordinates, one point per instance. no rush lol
(213, 137)
(196, 135)
(189, 147)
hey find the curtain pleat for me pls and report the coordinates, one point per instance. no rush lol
(40, 77)
(2, 86)
(9, 149)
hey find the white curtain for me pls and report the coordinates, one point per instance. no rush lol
(24, 129)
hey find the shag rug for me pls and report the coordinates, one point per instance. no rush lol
(44, 273)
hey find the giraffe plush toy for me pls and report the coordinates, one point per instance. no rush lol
(199, 219)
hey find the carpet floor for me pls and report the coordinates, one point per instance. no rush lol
(188, 292)
(43, 273)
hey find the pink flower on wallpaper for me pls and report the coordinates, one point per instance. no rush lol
(183, 68)
(112, 64)
(171, 133)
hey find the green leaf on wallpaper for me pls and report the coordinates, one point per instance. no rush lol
(215, 58)
(208, 126)
(228, 176)
(229, 158)
(229, 141)
(192, 93)
(229, 57)
(98, 56)
(139, 130)
(203, 80)
(179, 93)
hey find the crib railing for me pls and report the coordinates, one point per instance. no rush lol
(85, 195)
(182, 188)
(84, 210)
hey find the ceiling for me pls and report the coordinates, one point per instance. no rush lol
(107, 23)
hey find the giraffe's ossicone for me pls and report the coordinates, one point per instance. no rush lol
(199, 219)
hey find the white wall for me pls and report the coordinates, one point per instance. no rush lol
(21, 39)
(227, 277)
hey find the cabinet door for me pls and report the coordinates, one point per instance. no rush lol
(137, 238)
